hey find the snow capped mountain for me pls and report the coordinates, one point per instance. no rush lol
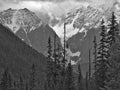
(22, 18)
(85, 17)
(78, 23)
(80, 20)
(28, 27)
(82, 23)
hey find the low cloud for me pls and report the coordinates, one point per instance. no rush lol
(57, 7)
(107, 3)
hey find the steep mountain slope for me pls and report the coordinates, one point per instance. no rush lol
(22, 18)
(27, 26)
(19, 57)
(82, 24)
(86, 22)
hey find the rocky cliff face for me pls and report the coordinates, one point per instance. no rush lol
(28, 27)
(22, 18)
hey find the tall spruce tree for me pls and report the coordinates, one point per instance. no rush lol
(49, 67)
(95, 52)
(95, 62)
(113, 71)
(55, 63)
(89, 64)
(112, 34)
(102, 59)
(60, 68)
(113, 30)
(64, 50)
(50, 52)
(89, 73)
(59, 54)
(80, 85)
(63, 71)
(114, 56)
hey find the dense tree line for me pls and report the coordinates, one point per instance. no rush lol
(9, 82)
(106, 56)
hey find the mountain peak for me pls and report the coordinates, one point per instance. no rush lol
(15, 19)
(25, 9)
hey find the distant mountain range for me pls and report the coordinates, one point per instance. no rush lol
(27, 26)
(82, 24)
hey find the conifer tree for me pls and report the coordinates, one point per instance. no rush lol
(55, 71)
(60, 68)
(59, 54)
(114, 56)
(63, 68)
(113, 72)
(89, 64)
(112, 34)
(64, 50)
(89, 73)
(95, 62)
(49, 67)
(95, 52)
(59, 57)
(49, 49)
(113, 30)
(102, 59)
(80, 85)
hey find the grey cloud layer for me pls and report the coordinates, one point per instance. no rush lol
(4, 4)
(51, 5)
(15, 1)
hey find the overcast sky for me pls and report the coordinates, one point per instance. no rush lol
(55, 6)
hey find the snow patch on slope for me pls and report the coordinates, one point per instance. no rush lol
(70, 55)
(13, 26)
